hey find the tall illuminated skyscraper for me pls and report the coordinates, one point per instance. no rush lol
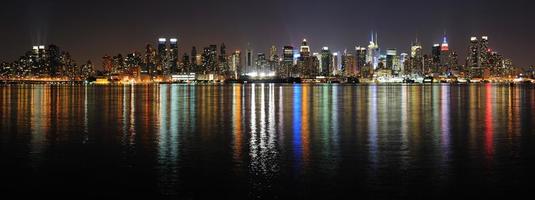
(223, 64)
(273, 55)
(326, 65)
(473, 56)
(391, 59)
(336, 63)
(150, 61)
(304, 50)
(360, 57)
(479, 54)
(417, 60)
(173, 55)
(374, 53)
(307, 66)
(162, 48)
(416, 49)
(287, 61)
(209, 59)
(261, 63)
(402, 59)
(484, 51)
(445, 52)
(435, 53)
(288, 54)
(235, 64)
(162, 55)
(348, 63)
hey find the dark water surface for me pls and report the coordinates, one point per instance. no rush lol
(267, 141)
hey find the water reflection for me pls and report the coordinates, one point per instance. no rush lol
(265, 139)
(489, 122)
(445, 125)
(373, 127)
(237, 124)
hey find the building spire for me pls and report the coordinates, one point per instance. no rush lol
(376, 39)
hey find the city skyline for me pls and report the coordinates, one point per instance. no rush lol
(267, 99)
(115, 28)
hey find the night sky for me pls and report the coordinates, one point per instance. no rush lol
(91, 29)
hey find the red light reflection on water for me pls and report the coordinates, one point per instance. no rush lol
(489, 124)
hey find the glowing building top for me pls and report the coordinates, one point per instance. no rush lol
(444, 46)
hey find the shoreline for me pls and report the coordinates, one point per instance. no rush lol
(81, 83)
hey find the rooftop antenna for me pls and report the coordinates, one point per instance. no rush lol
(376, 40)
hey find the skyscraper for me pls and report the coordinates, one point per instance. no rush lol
(416, 59)
(304, 50)
(374, 53)
(478, 56)
(173, 55)
(307, 66)
(348, 63)
(261, 63)
(402, 59)
(209, 59)
(274, 60)
(484, 51)
(249, 61)
(391, 59)
(273, 55)
(54, 59)
(326, 65)
(223, 66)
(360, 58)
(287, 61)
(150, 60)
(162, 55)
(416, 49)
(336, 64)
(445, 56)
(473, 56)
(435, 52)
(235, 64)
(435, 56)
(186, 64)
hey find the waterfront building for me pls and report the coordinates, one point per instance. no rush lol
(304, 50)
(172, 61)
(348, 64)
(287, 64)
(392, 59)
(403, 57)
(374, 52)
(163, 64)
(235, 64)
(478, 58)
(360, 58)
(336, 64)
(326, 62)
(249, 61)
(223, 65)
(261, 63)
(209, 60)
